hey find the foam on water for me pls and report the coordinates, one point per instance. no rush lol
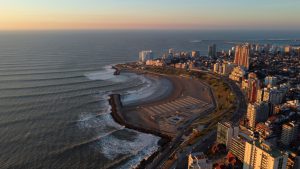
(106, 74)
(133, 151)
(150, 87)
(102, 119)
(142, 147)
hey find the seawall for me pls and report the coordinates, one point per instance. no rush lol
(116, 112)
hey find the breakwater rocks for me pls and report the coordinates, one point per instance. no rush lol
(116, 112)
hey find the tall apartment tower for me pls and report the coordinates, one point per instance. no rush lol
(253, 86)
(225, 132)
(259, 155)
(242, 56)
(289, 132)
(257, 112)
(259, 95)
(212, 50)
(145, 55)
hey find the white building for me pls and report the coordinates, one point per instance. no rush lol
(199, 161)
(223, 68)
(225, 132)
(145, 55)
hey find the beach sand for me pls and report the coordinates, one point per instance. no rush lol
(180, 87)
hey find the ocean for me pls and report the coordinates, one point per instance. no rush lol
(54, 88)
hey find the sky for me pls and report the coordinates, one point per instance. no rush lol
(150, 14)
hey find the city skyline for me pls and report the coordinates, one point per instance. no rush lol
(134, 14)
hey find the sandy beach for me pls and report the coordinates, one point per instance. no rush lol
(180, 90)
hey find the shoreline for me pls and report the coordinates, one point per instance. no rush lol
(116, 112)
(132, 117)
(116, 105)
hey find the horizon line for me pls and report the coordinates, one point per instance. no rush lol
(148, 29)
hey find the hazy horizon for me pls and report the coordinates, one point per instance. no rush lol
(140, 15)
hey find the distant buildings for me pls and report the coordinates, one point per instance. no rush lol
(145, 55)
(158, 63)
(289, 132)
(242, 56)
(237, 74)
(212, 50)
(195, 54)
(171, 51)
(288, 50)
(260, 155)
(224, 68)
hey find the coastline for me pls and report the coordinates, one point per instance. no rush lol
(116, 112)
(116, 105)
(131, 117)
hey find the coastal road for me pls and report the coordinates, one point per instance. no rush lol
(201, 145)
(207, 141)
(241, 102)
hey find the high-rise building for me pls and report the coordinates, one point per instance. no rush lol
(289, 132)
(257, 112)
(145, 55)
(266, 95)
(238, 143)
(260, 155)
(259, 95)
(287, 49)
(242, 55)
(237, 147)
(227, 68)
(195, 53)
(237, 74)
(274, 95)
(212, 50)
(257, 48)
(224, 68)
(225, 132)
(217, 67)
(253, 86)
(171, 51)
